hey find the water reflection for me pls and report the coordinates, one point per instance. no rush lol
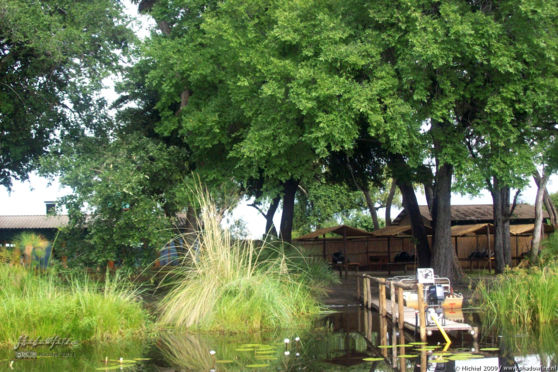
(355, 339)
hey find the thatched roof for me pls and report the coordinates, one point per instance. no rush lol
(393, 231)
(475, 229)
(397, 231)
(528, 229)
(476, 213)
(33, 222)
(342, 230)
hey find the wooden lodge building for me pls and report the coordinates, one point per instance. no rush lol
(392, 246)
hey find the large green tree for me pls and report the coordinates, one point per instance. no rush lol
(481, 74)
(272, 88)
(53, 57)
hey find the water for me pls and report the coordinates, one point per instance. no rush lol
(338, 342)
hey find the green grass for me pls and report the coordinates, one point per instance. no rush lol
(43, 305)
(522, 298)
(238, 286)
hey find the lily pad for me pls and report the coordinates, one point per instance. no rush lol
(489, 349)
(404, 345)
(263, 357)
(407, 356)
(418, 343)
(372, 359)
(122, 361)
(427, 347)
(385, 346)
(244, 349)
(111, 368)
(142, 359)
(439, 360)
(465, 357)
(257, 365)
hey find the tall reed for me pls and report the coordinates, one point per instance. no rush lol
(42, 305)
(522, 298)
(224, 284)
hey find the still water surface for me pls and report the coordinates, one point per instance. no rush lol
(348, 340)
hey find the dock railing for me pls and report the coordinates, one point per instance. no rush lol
(397, 302)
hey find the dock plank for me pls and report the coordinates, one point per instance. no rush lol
(409, 318)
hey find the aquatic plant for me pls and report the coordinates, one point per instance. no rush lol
(226, 284)
(44, 305)
(524, 299)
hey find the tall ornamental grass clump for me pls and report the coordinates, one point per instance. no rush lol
(228, 285)
(42, 305)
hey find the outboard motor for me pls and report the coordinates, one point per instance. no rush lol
(435, 295)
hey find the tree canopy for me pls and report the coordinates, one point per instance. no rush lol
(53, 57)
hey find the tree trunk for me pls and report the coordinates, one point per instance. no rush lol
(429, 194)
(541, 181)
(498, 230)
(444, 259)
(371, 208)
(506, 212)
(501, 212)
(550, 208)
(288, 210)
(269, 225)
(548, 204)
(389, 202)
(417, 224)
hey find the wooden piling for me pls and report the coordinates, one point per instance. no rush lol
(421, 309)
(358, 288)
(365, 291)
(382, 299)
(393, 304)
(401, 309)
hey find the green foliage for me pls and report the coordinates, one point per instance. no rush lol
(273, 87)
(43, 305)
(53, 57)
(230, 285)
(554, 198)
(322, 205)
(361, 220)
(549, 253)
(125, 193)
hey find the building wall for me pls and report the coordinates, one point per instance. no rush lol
(369, 251)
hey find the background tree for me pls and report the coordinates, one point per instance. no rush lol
(549, 164)
(53, 57)
(122, 192)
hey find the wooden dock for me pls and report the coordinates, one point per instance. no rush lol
(394, 308)
(410, 319)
